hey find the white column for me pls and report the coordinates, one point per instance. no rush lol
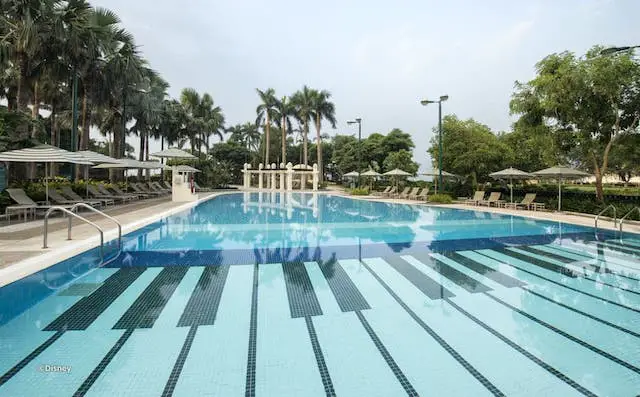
(273, 177)
(246, 175)
(281, 174)
(315, 177)
(260, 180)
(289, 177)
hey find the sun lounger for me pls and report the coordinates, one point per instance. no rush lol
(527, 202)
(68, 192)
(139, 188)
(125, 197)
(385, 191)
(100, 195)
(494, 199)
(58, 198)
(413, 192)
(154, 187)
(168, 185)
(422, 195)
(477, 198)
(20, 197)
(390, 192)
(121, 193)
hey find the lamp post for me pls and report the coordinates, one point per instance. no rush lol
(359, 122)
(425, 102)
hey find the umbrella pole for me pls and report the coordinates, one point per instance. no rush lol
(86, 181)
(559, 194)
(511, 187)
(46, 182)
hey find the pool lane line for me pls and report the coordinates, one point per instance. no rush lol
(457, 257)
(537, 262)
(461, 360)
(106, 360)
(597, 250)
(598, 267)
(179, 364)
(303, 301)
(402, 378)
(203, 304)
(484, 270)
(250, 386)
(325, 376)
(615, 246)
(567, 335)
(146, 309)
(583, 276)
(524, 352)
(345, 292)
(561, 284)
(25, 361)
(421, 281)
(462, 280)
(599, 256)
(85, 311)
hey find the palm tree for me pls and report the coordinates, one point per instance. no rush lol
(267, 111)
(323, 109)
(286, 110)
(190, 100)
(303, 103)
(213, 120)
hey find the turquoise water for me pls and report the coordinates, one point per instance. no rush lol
(311, 295)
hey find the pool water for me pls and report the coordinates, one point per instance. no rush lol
(309, 295)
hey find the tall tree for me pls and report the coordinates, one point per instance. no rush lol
(586, 102)
(303, 102)
(286, 110)
(267, 111)
(323, 109)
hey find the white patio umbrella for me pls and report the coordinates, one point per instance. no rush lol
(186, 168)
(511, 174)
(46, 154)
(397, 173)
(95, 158)
(352, 174)
(371, 173)
(560, 173)
(173, 153)
(303, 167)
(436, 172)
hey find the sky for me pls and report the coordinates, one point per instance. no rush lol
(377, 58)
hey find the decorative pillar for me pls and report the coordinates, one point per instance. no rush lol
(246, 176)
(260, 180)
(289, 177)
(281, 173)
(316, 173)
(273, 176)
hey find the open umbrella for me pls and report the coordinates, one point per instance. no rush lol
(560, 173)
(372, 174)
(352, 174)
(397, 173)
(511, 174)
(95, 158)
(436, 172)
(186, 168)
(46, 154)
(173, 153)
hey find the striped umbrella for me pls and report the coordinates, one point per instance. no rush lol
(44, 154)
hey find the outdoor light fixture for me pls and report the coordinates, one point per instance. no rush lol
(425, 102)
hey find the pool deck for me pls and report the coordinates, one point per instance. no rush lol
(21, 251)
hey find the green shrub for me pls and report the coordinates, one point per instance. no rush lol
(359, 192)
(440, 199)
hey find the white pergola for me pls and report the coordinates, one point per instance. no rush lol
(271, 177)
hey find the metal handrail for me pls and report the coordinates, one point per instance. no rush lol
(626, 215)
(87, 206)
(71, 214)
(605, 210)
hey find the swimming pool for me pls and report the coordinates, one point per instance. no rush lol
(313, 294)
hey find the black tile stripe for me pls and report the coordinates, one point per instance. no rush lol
(618, 249)
(344, 290)
(584, 276)
(97, 371)
(406, 384)
(424, 283)
(540, 263)
(563, 285)
(627, 242)
(203, 304)
(556, 257)
(250, 388)
(303, 301)
(598, 250)
(146, 309)
(86, 310)
(486, 271)
(589, 253)
(25, 361)
(461, 279)
(568, 336)
(591, 316)
(615, 245)
(524, 352)
(327, 383)
(470, 368)
(170, 386)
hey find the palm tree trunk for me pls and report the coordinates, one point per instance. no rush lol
(162, 160)
(305, 143)
(146, 153)
(141, 156)
(84, 137)
(54, 137)
(284, 140)
(35, 111)
(319, 148)
(266, 139)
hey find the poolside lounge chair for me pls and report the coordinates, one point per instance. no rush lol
(139, 188)
(125, 197)
(527, 202)
(390, 192)
(68, 192)
(20, 197)
(477, 198)
(385, 191)
(494, 199)
(58, 198)
(200, 189)
(422, 195)
(168, 185)
(403, 193)
(413, 192)
(101, 196)
(155, 187)
(136, 194)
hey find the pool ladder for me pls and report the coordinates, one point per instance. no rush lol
(626, 215)
(615, 221)
(72, 214)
